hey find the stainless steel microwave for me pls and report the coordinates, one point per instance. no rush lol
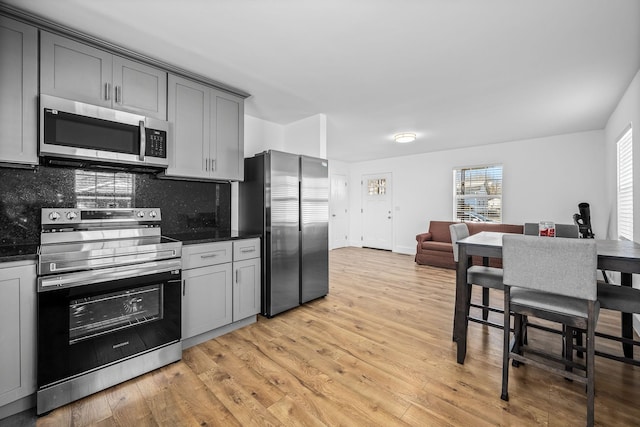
(90, 134)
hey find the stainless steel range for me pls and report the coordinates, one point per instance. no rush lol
(109, 303)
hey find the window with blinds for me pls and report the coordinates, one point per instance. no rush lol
(104, 189)
(477, 194)
(625, 185)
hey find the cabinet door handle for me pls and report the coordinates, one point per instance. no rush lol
(213, 165)
(184, 287)
(119, 94)
(107, 91)
(237, 274)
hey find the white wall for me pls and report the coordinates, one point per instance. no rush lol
(307, 136)
(261, 135)
(543, 179)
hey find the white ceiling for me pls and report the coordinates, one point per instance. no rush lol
(456, 72)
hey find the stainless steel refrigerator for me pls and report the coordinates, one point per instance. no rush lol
(285, 197)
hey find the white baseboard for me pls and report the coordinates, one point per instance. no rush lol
(407, 250)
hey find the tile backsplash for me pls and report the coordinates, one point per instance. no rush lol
(187, 206)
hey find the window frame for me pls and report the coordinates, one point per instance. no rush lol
(484, 216)
(624, 184)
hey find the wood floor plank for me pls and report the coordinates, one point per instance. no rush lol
(292, 357)
(376, 351)
(316, 404)
(128, 406)
(194, 398)
(162, 403)
(260, 389)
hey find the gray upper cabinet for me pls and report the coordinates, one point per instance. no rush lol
(207, 130)
(80, 72)
(19, 83)
(139, 88)
(228, 122)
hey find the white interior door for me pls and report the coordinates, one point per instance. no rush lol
(377, 221)
(338, 208)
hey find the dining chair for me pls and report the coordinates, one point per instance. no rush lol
(481, 275)
(565, 231)
(555, 280)
(624, 299)
(610, 295)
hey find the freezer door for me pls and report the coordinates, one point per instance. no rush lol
(314, 240)
(283, 233)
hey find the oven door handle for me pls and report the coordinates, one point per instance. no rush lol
(81, 278)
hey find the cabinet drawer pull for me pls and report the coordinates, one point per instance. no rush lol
(208, 256)
(246, 250)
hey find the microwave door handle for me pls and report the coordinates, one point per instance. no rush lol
(143, 142)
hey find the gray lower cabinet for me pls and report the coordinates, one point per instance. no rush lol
(247, 279)
(76, 71)
(221, 288)
(17, 334)
(207, 131)
(207, 292)
(19, 100)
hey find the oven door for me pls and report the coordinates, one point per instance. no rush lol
(107, 316)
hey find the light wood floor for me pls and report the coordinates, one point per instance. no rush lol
(377, 351)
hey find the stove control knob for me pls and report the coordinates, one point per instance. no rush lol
(140, 214)
(71, 215)
(54, 216)
(153, 214)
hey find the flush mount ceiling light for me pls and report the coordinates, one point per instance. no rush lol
(403, 138)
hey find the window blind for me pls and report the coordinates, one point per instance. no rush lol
(478, 194)
(625, 184)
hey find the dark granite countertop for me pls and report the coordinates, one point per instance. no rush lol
(22, 252)
(29, 252)
(210, 236)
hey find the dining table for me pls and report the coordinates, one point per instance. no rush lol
(613, 255)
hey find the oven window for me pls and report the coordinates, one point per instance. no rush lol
(105, 313)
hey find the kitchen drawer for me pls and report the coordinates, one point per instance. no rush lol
(246, 249)
(194, 256)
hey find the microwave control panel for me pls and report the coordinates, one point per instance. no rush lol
(156, 143)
